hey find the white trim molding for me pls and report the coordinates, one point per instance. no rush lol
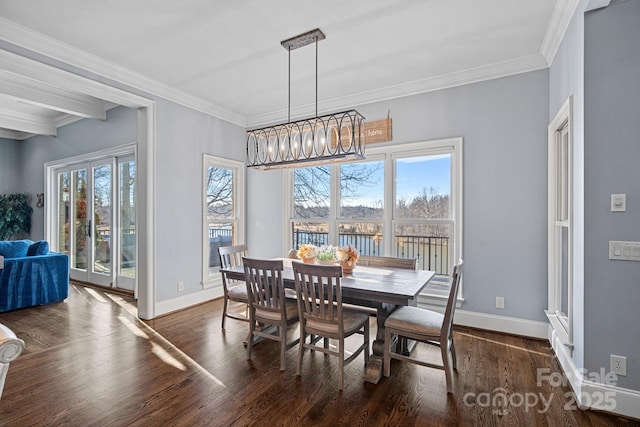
(590, 394)
(189, 300)
(509, 325)
(558, 25)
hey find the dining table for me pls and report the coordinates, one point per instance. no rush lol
(378, 288)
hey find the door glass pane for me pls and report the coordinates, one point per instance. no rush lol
(362, 190)
(423, 187)
(64, 218)
(365, 237)
(102, 219)
(80, 219)
(311, 192)
(127, 219)
(429, 243)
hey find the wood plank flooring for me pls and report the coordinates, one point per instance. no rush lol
(90, 362)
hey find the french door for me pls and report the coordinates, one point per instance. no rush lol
(95, 220)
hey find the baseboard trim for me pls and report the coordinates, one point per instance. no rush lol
(590, 394)
(509, 325)
(180, 303)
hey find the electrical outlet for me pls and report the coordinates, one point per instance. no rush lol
(619, 365)
(180, 286)
(499, 302)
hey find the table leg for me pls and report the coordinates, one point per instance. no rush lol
(374, 371)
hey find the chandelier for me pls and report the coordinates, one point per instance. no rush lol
(331, 138)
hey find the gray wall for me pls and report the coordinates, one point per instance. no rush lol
(504, 126)
(612, 153)
(183, 136)
(566, 78)
(82, 137)
(10, 173)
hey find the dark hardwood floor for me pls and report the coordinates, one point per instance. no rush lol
(90, 361)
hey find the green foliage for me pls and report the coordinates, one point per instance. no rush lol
(15, 215)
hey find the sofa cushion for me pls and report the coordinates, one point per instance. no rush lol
(14, 248)
(38, 248)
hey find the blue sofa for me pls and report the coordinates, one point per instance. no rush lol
(33, 278)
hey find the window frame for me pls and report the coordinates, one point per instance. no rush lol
(238, 218)
(388, 154)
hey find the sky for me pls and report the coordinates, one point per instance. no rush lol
(412, 175)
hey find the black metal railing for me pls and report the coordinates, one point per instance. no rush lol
(432, 252)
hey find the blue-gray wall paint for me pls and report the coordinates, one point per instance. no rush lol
(612, 153)
(566, 78)
(504, 126)
(82, 137)
(10, 169)
(183, 136)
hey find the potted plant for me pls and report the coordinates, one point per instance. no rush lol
(307, 253)
(15, 215)
(327, 255)
(347, 257)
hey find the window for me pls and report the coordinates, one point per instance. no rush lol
(223, 212)
(403, 201)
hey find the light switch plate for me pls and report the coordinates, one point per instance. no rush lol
(624, 251)
(618, 203)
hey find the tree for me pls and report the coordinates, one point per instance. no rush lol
(313, 187)
(219, 192)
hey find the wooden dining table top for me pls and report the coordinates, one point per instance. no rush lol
(376, 284)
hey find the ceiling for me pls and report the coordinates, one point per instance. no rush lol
(225, 57)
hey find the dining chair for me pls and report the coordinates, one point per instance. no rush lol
(426, 326)
(387, 261)
(268, 305)
(322, 315)
(230, 256)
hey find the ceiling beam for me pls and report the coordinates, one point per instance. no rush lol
(25, 122)
(43, 95)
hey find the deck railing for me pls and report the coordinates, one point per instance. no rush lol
(432, 252)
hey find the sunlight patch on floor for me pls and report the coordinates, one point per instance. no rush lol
(141, 329)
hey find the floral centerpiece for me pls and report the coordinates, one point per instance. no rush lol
(307, 253)
(347, 257)
(326, 255)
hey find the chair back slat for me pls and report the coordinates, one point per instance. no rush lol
(456, 276)
(386, 261)
(230, 256)
(319, 292)
(264, 284)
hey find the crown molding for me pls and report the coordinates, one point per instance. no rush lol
(39, 43)
(560, 19)
(472, 75)
(596, 4)
(15, 135)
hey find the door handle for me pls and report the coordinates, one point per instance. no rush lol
(87, 229)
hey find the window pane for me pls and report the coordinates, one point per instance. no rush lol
(311, 191)
(220, 234)
(429, 243)
(219, 193)
(365, 237)
(423, 187)
(314, 233)
(362, 190)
